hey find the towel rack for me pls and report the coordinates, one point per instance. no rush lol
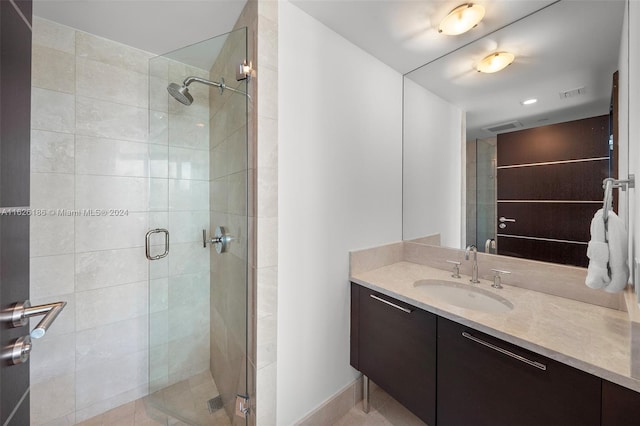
(608, 184)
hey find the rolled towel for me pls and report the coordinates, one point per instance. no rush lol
(618, 254)
(598, 253)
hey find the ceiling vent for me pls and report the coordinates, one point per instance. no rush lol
(572, 93)
(511, 125)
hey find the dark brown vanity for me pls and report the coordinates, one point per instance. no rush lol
(451, 374)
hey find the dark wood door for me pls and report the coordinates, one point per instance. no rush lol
(396, 348)
(15, 112)
(479, 385)
(549, 185)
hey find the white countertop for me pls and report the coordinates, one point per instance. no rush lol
(588, 337)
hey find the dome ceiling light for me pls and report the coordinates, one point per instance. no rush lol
(461, 19)
(495, 62)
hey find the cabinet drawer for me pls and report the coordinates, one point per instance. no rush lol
(620, 406)
(396, 348)
(486, 381)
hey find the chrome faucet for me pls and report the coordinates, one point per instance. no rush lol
(474, 268)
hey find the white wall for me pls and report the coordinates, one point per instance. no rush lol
(432, 166)
(340, 127)
(634, 126)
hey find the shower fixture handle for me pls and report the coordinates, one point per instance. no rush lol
(221, 239)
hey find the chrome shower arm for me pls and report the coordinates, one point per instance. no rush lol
(187, 81)
(221, 85)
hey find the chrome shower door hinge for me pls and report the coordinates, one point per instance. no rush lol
(242, 406)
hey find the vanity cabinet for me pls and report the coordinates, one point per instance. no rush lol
(450, 374)
(394, 344)
(620, 406)
(486, 381)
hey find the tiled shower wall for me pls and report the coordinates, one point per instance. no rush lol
(91, 150)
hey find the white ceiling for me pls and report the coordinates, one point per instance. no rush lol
(156, 26)
(567, 45)
(555, 48)
(403, 33)
(559, 46)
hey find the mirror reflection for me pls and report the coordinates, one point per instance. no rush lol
(518, 155)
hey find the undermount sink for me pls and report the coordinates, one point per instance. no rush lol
(464, 295)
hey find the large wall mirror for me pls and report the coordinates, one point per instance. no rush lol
(485, 164)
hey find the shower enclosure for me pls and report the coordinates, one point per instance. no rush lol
(481, 194)
(197, 290)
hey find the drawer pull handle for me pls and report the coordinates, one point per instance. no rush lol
(391, 304)
(504, 351)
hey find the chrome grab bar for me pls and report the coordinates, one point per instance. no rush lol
(147, 245)
(21, 312)
(608, 184)
(504, 351)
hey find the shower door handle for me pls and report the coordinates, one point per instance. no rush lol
(147, 245)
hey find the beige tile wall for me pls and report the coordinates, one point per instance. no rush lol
(91, 150)
(266, 215)
(86, 364)
(229, 195)
(260, 18)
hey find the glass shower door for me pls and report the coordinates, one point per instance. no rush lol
(486, 194)
(197, 294)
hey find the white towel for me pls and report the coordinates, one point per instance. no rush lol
(608, 267)
(618, 254)
(598, 253)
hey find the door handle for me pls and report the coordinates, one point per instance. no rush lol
(147, 243)
(18, 352)
(20, 313)
(17, 316)
(505, 219)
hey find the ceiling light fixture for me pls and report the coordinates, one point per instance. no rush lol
(461, 19)
(529, 101)
(495, 62)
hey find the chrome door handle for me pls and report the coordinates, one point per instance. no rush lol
(18, 352)
(20, 313)
(147, 244)
(505, 219)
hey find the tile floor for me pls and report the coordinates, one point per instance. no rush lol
(181, 404)
(187, 400)
(383, 411)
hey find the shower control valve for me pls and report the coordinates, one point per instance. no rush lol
(221, 239)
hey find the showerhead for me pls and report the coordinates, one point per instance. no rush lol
(180, 93)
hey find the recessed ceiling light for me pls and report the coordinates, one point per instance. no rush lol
(495, 62)
(461, 19)
(529, 101)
